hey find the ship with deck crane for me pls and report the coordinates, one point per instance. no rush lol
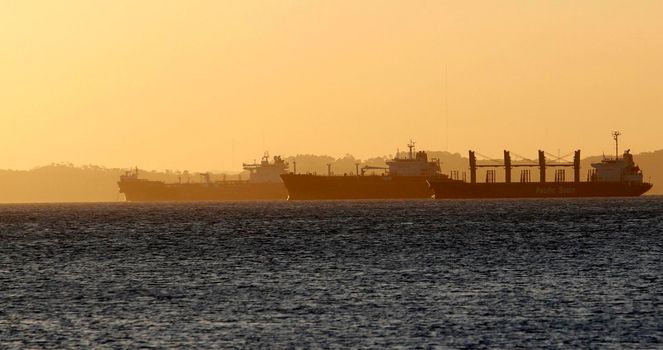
(612, 177)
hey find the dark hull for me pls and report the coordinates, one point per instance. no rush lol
(460, 189)
(312, 187)
(156, 191)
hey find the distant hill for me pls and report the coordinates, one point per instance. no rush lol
(69, 183)
(90, 183)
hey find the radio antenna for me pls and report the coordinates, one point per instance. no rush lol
(615, 136)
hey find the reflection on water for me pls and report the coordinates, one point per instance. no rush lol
(557, 273)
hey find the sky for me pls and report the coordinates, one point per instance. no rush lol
(207, 85)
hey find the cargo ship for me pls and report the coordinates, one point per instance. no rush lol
(264, 183)
(612, 177)
(402, 178)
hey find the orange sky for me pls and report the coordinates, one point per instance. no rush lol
(205, 85)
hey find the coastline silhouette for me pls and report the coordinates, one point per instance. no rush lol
(70, 183)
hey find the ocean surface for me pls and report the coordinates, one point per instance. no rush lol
(579, 273)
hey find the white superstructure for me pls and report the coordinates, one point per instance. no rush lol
(416, 164)
(618, 169)
(266, 171)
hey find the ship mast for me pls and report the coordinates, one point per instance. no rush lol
(615, 136)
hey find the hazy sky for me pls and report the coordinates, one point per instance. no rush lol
(205, 85)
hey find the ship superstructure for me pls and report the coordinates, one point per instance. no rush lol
(612, 177)
(266, 172)
(264, 183)
(416, 164)
(401, 178)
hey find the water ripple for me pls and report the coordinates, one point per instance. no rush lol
(457, 274)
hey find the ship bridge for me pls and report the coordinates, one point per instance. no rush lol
(416, 164)
(617, 170)
(265, 171)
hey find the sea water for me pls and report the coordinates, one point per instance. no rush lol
(576, 273)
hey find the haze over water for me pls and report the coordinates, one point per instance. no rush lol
(576, 273)
(206, 85)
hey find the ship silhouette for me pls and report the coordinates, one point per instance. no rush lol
(402, 178)
(612, 177)
(263, 183)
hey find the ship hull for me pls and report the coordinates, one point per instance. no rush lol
(460, 189)
(315, 187)
(156, 191)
